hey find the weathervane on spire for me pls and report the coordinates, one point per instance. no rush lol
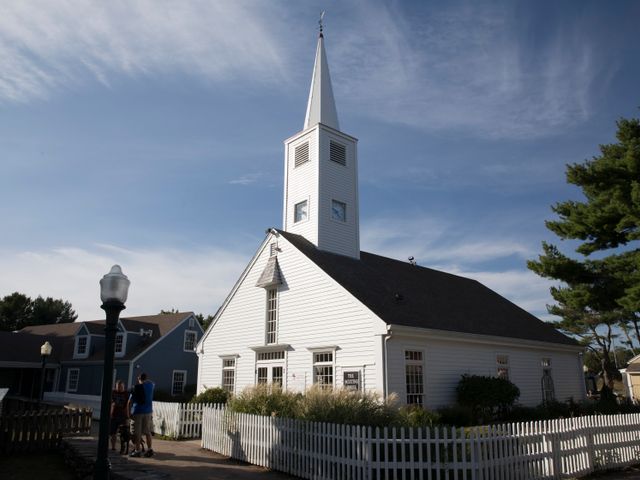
(320, 22)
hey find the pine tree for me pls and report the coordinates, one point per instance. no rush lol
(602, 293)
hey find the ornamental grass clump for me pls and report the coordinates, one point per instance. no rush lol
(346, 407)
(269, 400)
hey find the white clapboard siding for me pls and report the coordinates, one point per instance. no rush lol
(534, 450)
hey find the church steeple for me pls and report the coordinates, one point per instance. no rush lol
(321, 107)
(321, 172)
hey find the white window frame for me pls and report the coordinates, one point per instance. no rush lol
(324, 363)
(418, 398)
(68, 386)
(503, 363)
(271, 335)
(85, 354)
(229, 368)
(122, 345)
(195, 341)
(333, 200)
(295, 205)
(173, 381)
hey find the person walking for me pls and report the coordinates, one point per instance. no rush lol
(141, 400)
(119, 410)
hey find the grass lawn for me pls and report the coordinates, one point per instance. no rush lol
(40, 466)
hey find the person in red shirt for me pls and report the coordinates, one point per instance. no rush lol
(119, 413)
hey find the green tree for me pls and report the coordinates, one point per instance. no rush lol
(18, 311)
(600, 294)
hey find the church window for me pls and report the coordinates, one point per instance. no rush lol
(262, 375)
(277, 374)
(301, 154)
(414, 377)
(502, 366)
(337, 153)
(228, 374)
(301, 211)
(548, 390)
(338, 211)
(266, 356)
(323, 370)
(272, 316)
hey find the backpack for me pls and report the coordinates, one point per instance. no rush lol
(138, 394)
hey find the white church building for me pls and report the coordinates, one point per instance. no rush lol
(311, 308)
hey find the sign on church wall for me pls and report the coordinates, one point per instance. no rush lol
(351, 381)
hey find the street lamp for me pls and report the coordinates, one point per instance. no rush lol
(114, 287)
(45, 351)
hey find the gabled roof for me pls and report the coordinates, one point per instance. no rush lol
(414, 296)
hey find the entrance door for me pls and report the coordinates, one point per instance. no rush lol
(270, 373)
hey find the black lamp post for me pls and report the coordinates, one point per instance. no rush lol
(114, 287)
(45, 351)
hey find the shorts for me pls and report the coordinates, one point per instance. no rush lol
(142, 425)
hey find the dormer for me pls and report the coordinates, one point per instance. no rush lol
(82, 344)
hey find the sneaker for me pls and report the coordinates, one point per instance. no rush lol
(149, 453)
(135, 453)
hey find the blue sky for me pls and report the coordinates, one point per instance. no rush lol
(150, 134)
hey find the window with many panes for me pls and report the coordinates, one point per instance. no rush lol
(262, 375)
(119, 348)
(178, 381)
(414, 377)
(502, 366)
(228, 374)
(323, 369)
(276, 355)
(190, 338)
(276, 375)
(82, 345)
(272, 316)
(548, 389)
(73, 378)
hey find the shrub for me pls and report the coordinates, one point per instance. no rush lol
(212, 395)
(488, 397)
(415, 416)
(457, 416)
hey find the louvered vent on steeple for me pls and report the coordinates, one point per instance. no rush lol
(302, 154)
(338, 153)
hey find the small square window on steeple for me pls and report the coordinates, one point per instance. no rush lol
(301, 211)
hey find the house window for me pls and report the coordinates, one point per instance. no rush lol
(119, 343)
(414, 377)
(178, 381)
(82, 345)
(73, 377)
(189, 340)
(502, 366)
(548, 390)
(337, 153)
(228, 374)
(301, 211)
(272, 316)
(262, 375)
(323, 370)
(301, 155)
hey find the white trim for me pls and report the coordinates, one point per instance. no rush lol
(327, 348)
(273, 347)
(319, 126)
(184, 382)
(67, 389)
(184, 340)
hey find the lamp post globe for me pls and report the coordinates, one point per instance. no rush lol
(45, 352)
(114, 288)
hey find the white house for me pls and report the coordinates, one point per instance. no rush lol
(311, 308)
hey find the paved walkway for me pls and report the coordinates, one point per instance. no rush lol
(177, 460)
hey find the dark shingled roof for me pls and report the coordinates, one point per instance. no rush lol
(414, 296)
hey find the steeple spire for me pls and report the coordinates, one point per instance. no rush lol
(321, 107)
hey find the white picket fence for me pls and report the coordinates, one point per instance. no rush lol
(178, 420)
(567, 448)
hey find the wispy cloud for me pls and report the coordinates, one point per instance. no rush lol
(247, 179)
(47, 46)
(196, 280)
(467, 66)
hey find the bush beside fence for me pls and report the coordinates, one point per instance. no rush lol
(537, 450)
(41, 430)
